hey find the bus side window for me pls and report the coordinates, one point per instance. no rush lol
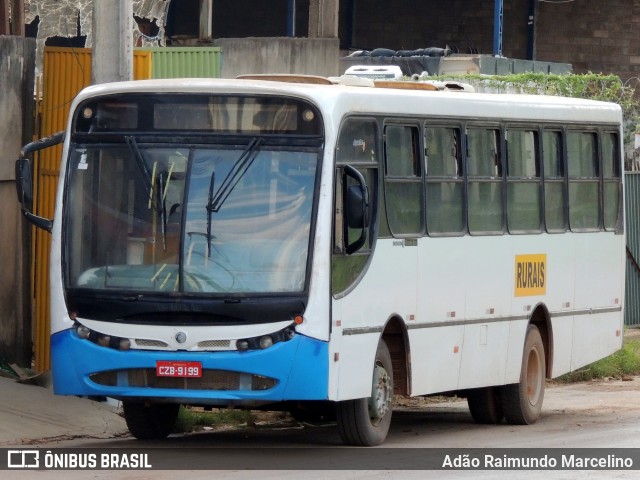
(356, 146)
(554, 193)
(484, 189)
(582, 160)
(403, 180)
(612, 185)
(444, 181)
(357, 142)
(523, 182)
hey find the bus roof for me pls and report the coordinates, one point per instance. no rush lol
(344, 99)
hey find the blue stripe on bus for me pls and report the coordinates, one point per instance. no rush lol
(300, 366)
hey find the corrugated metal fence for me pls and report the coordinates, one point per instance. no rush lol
(60, 84)
(192, 62)
(632, 287)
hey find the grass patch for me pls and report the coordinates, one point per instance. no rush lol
(623, 363)
(190, 419)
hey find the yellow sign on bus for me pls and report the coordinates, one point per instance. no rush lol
(531, 275)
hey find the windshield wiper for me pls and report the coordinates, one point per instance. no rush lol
(162, 210)
(240, 167)
(236, 173)
(164, 178)
(212, 183)
(149, 179)
(140, 162)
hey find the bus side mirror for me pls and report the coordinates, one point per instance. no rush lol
(24, 180)
(24, 184)
(356, 208)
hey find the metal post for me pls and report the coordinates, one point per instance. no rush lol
(350, 40)
(112, 51)
(291, 18)
(497, 28)
(531, 25)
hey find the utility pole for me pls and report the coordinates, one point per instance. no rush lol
(112, 50)
(498, 17)
(206, 19)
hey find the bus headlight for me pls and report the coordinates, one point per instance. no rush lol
(104, 340)
(82, 331)
(266, 342)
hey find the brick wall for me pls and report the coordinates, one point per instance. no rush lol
(257, 18)
(402, 24)
(592, 35)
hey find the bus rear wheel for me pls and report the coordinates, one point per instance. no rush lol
(485, 405)
(522, 402)
(365, 421)
(150, 422)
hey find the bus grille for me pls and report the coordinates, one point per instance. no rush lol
(214, 344)
(140, 342)
(210, 380)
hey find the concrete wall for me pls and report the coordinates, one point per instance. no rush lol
(17, 67)
(311, 56)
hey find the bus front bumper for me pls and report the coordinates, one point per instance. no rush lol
(293, 370)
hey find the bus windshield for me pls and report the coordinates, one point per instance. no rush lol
(214, 219)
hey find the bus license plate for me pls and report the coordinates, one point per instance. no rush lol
(167, 368)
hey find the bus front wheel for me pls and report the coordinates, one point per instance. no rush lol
(522, 402)
(150, 422)
(365, 421)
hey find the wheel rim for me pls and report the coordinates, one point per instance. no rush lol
(381, 394)
(535, 376)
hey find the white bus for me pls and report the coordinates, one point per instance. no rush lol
(262, 244)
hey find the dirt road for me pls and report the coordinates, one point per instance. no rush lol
(602, 414)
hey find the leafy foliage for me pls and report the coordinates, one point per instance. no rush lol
(624, 362)
(190, 419)
(593, 86)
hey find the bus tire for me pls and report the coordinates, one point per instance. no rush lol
(150, 422)
(365, 421)
(522, 402)
(485, 405)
